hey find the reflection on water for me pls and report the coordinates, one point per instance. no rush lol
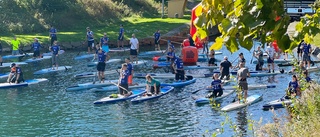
(242, 122)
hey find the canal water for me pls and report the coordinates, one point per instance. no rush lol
(47, 109)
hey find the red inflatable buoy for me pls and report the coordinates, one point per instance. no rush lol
(156, 58)
(190, 55)
(185, 43)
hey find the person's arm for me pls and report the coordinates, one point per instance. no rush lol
(9, 77)
(137, 45)
(18, 75)
(248, 73)
(174, 67)
(155, 88)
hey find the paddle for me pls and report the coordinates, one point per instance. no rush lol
(66, 69)
(254, 50)
(194, 92)
(94, 78)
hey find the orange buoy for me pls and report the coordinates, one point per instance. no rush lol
(156, 58)
(275, 45)
(185, 43)
(190, 55)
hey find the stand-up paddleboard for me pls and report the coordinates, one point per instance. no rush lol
(90, 85)
(12, 56)
(236, 105)
(8, 64)
(163, 91)
(152, 53)
(22, 84)
(204, 100)
(179, 83)
(37, 59)
(311, 69)
(50, 70)
(135, 93)
(113, 88)
(5, 75)
(119, 49)
(91, 64)
(167, 76)
(93, 74)
(84, 56)
(215, 53)
(279, 103)
(199, 67)
(251, 87)
(50, 53)
(276, 61)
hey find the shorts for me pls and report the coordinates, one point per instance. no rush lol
(36, 53)
(120, 38)
(152, 90)
(259, 66)
(305, 57)
(269, 60)
(105, 48)
(15, 52)
(91, 43)
(55, 60)
(156, 42)
(227, 75)
(243, 85)
(122, 91)
(299, 50)
(211, 61)
(180, 75)
(130, 79)
(133, 52)
(101, 66)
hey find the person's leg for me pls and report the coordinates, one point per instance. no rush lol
(118, 43)
(53, 61)
(120, 91)
(152, 90)
(220, 93)
(136, 58)
(57, 61)
(245, 89)
(158, 89)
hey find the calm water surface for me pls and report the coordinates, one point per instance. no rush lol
(47, 109)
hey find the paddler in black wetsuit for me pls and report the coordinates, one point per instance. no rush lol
(225, 66)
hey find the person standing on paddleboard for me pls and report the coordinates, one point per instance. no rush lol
(134, 49)
(15, 46)
(36, 48)
(243, 73)
(178, 68)
(306, 48)
(16, 75)
(152, 85)
(171, 57)
(53, 35)
(90, 39)
(101, 66)
(121, 36)
(157, 36)
(216, 86)
(104, 43)
(123, 81)
(241, 60)
(55, 53)
(225, 66)
(212, 59)
(299, 50)
(259, 55)
(130, 69)
(271, 54)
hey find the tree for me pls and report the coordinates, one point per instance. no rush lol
(240, 21)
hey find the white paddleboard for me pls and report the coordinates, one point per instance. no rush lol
(237, 104)
(38, 59)
(50, 70)
(8, 64)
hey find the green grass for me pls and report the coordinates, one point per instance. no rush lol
(141, 27)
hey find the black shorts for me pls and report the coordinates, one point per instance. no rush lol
(120, 38)
(211, 61)
(299, 50)
(156, 42)
(269, 60)
(152, 90)
(180, 75)
(36, 53)
(306, 57)
(101, 66)
(121, 90)
(133, 52)
(91, 43)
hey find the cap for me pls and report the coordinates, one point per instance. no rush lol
(12, 65)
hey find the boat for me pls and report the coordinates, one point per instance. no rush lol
(279, 103)
(113, 88)
(37, 59)
(250, 87)
(5, 75)
(135, 93)
(152, 53)
(119, 49)
(9, 64)
(91, 64)
(22, 84)
(163, 91)
(84, 56)
(50, 70)
(236, 105)
(204, 100)
(90, 85)
(94, 74)
(50, 53)
(179, 83)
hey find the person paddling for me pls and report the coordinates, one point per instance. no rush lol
(36, 48)
(178, 68)
(241, 60)
(134, 49)
(101, 66)
(171, 57)
(212, 59)
(123, 81)
(55, 53)
(259, 55)
(130, 69)
(225, 66)
(16, 75)
(216, 86)
(104, 43)
(157, 38)
(152, 85)
(293, 88)
(243, 73)
(90, 39)
(306, 48)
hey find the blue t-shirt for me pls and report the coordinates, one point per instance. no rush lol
(216, 84)
(53, 30)
(18, 70)
(124, 78)
(55, 49)
(36, 46)
(90, 36)
(293, 85)
(156, 36)
(171, 54)
(308, 79)
(306, 48)
(121, 32)
(102, 56)
(179, 64)
(104, 40)
(130, 68)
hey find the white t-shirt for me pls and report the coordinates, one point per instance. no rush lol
(270, 51)
(134, 43)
